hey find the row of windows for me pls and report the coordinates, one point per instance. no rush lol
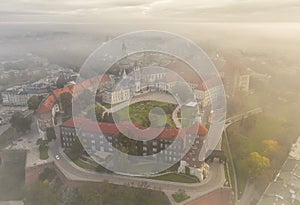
(68, 133)
(68, 139)
(66, 144)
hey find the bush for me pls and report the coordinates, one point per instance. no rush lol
(43, 151)
(180, 196)
(47, 174)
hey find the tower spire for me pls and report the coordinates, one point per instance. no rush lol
(124, 74)
(124, 48)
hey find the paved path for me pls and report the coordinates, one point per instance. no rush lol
(162, 97)
(249, 194)
(215, 179)
(175, 118)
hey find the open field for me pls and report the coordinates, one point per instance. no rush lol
(12, 175)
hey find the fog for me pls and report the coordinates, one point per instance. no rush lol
(70, 44)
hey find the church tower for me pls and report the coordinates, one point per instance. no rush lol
(137, 77)
(124, 48)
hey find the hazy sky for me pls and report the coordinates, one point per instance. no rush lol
(146, 10)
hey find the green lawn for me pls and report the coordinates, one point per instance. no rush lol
(12, 175)
(85, 165)
(174, 177)
(139, 113)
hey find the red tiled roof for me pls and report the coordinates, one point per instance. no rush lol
(105, 128)
(60, 91)
(185, 71)
(197, 128)
(95, 82)
(78, 121)
(140, 131)
(48, 104)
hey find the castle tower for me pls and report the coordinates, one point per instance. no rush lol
(124, 74)
(137, 77)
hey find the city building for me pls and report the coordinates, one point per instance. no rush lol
(236, 77)
(103, 136)
(15, 96)
(52, 105)
(115, 96)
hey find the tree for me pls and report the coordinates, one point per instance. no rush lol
(40, 193)
(50, 133)
(257, 164)
(76, 150)
(34, 102)
(66, 102)
(270, 147)
(248, 124)
(20, 122)
(61, 81)
(98, 112)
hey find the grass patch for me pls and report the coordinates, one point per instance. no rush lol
(139, 112)
(174, 177)
(85, 165)
(12, 175)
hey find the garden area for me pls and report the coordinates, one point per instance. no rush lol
(139, 113)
